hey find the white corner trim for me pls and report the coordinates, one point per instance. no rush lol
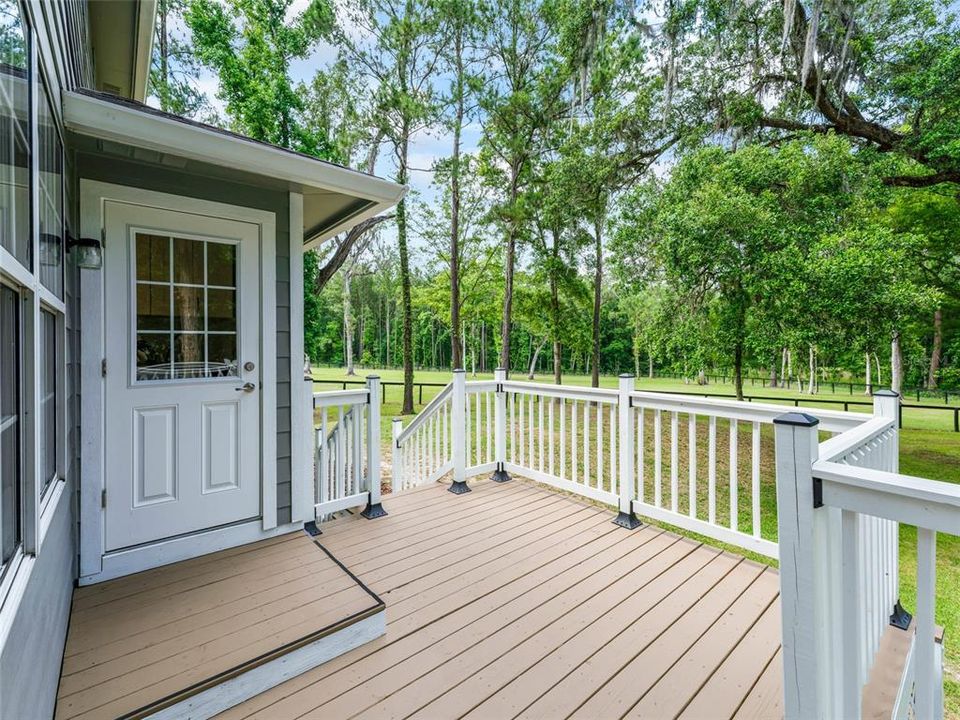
(301, 477)
(268, 365)
(146, 20)
(93, 196)
(260, 679)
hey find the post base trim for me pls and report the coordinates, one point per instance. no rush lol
(459, 487)
(374, 511)
(500, 476)
(627, 520)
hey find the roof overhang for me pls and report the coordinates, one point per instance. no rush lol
(334, 198)
(121, 36)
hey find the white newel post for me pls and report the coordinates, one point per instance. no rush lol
(396, 459)
(500, 427)
(625, 424)
(374, 508)
(458, 430)
(809, 548)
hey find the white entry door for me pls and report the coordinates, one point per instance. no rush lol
(182, 322)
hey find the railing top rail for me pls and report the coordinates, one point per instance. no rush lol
(341, 397)
(429, 409)
(830, 420)
(603, 395)
(478, 386)
(839, 446)
(931, 504)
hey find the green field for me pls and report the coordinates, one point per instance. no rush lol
(928, 448)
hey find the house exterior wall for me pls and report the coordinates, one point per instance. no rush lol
(179, 182)
(34, 609)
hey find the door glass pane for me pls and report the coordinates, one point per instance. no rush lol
(188, 309)
(186, 312)
(10, 360)
(221, 264)
(14, 135)
(50, 196)
(188, 261)
(153, 258)
(48, 398)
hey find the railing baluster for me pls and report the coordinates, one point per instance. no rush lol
(613, 434)
(641, 456)
(467, 435)
(478, 448)
(657, 458)
(712, 471)
(530, 435)
(734, 473)
(513, 429)
(755, 479)
(586, 444)
(674, 462)
(926, 673)
(852, 665)
(341, 454)
(563, 439)
(574, 445)
(491, 439)
(540, 434)
(599, 448)
(692, 490)
(550, 447)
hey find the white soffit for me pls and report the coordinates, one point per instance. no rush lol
(320, 182)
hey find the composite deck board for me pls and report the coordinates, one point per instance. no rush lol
(518, 601)
(135, 640)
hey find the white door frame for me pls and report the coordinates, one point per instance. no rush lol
(95, 565)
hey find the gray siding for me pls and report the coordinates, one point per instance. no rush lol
(216, 189)
(31, 655)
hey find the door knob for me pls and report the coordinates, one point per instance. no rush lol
(247, 388)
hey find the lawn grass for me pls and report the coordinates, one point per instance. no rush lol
(928, 448)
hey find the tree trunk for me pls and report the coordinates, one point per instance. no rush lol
(483, 346)
(597, 284)
(812, 367)
(555, 312)
(936, 350)
(738, 370)
(534, 358)
(783, 366)
(347, 323)
(876, 361)
(789, 369)
(407, 407)
(896, 363)
(773, 373)
(508, 278)
(456, 350)
(868, 381)
(650, 363)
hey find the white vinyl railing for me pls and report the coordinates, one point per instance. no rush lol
(347, 450)
(831, 518)
(840, 503)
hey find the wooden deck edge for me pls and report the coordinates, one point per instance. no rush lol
(888, 683)
(221, 693)
(238, 684)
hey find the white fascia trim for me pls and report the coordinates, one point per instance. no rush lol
(146, 19)
(110, 121)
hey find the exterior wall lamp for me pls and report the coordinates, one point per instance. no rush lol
(89, 253)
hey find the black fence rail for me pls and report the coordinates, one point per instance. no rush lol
(806, 401)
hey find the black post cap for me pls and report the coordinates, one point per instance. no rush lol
(798, 419)
(627, 375)
(886, 392)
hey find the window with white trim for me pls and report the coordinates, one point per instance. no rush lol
(10, 424)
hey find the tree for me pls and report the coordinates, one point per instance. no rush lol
(174, 68)
(886, 75)
(464, 25)
(514, 103)
(250, 44)
(399, 56)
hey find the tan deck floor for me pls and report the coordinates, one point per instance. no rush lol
(142, 638)
(516, 601)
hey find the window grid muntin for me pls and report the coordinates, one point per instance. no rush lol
(172, 333)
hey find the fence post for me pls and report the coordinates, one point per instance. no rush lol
(396, 455)
(886, 403)
(809, 540)
(500, 474)
(625, 422)
(458, 430)
(374, 508)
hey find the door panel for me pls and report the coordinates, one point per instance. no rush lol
(182, 392)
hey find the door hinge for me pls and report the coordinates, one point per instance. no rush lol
(103, 498)
(103, 368)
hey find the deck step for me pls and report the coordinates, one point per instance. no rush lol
(194, 638)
